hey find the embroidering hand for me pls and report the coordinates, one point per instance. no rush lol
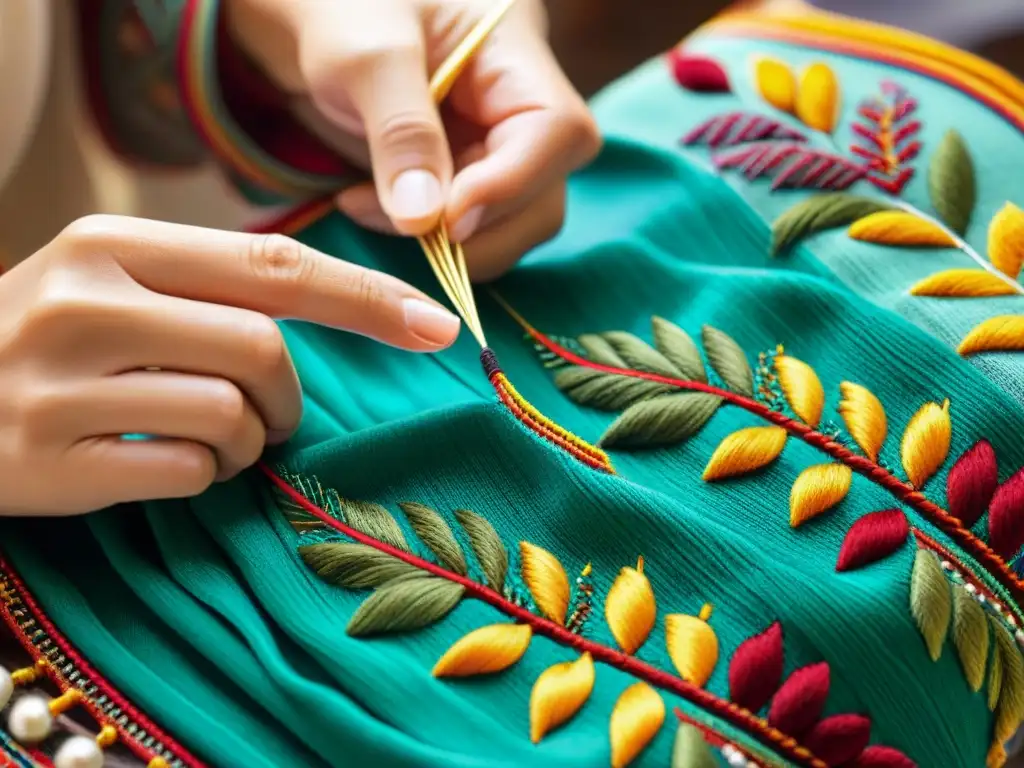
(512, 131)
(86, 320)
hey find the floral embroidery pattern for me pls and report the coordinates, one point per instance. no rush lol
(413, 591)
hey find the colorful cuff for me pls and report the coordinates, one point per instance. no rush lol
(222, 92)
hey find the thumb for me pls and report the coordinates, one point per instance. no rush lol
(383, 76)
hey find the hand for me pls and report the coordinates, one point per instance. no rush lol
(495, 167)
(125, 327)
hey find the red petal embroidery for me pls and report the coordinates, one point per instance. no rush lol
(699, 73)
(755, 671)
(838, 740)
(874, 537)
(733, 128)
(801, 699)
(971, 483)
(882, 757)
(1006, 517)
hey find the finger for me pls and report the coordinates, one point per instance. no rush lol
(379, 65)
(163, 404)
(270, 274)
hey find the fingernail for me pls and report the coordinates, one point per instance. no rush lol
(466, 226)
(416, 194)
(429, 323)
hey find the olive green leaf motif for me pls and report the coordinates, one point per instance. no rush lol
(951, 184)
(820, 213)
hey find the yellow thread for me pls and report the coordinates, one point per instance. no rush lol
(962, 283)
(29, 675)
(926, 442)
(692, 645)
(999, 334)
(1006, 240)
(158, 762)
(65, 701)
(485, 650)
(817, 489)
(630, 608)
(587, 570)
(900, 228)
(817, 99)
(776, 83)
(558, 694)
(802, 388)
(744, 451)
(636, 719)
(547, 581)
(865, 418)
(107, 737)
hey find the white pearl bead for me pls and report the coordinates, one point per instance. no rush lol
(1011, 619)
(1019, 635)
(738, 760)
(728, 750)
(971, 589)
(6, 687)
(30, 719)
(79, 752)
(947, 566)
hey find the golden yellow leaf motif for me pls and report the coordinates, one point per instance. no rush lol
(776, 83)
(865, 418)
(1006, 240)
(485, 650)
(802, 388)
(692, 645)
(559, 693)
(926, 442)
(630, 608)
(1000, 334)
(817, 489)
(817, 98)
(962, 283)
(744, 451)
(636, 719)
(547, 581)
(900, 228)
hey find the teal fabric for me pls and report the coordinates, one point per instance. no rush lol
(205, 615)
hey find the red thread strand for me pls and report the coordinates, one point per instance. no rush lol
(755, 671)
(873, 537)
(971, 483)
(800, 701)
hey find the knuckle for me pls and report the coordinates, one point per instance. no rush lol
(85, 236)
(280, 259)
(366, 288)
(583, 132)
(227, 411)
(195, 468)
(40, 408)
(410, 131)
(62, 306)
(266, 348)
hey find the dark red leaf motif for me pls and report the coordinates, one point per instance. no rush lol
(792, 165)
(887, 138)
(755, 670)
(874, 537)
(801, 699)
(839, 739)
(971, 483)
(1006, 517)
(732, 128)
(882, 757)
(698, 73)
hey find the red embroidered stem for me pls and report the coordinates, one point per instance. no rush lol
(726, 710)
(882, 477)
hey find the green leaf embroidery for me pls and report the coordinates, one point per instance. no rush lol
(665, 420)
(951, 183)
(728, 361)
(639, 355)
(1011, 693)
(690, 750)
(677, 346)
(406, 604)
(930, 601)
(374, 521)
(970, 636)
(488, 547)
(354, 566)
(995, 672)
(606, 391)
(435, 533)
(600, 351)
(819, 213)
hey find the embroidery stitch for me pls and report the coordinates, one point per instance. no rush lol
(888, 136)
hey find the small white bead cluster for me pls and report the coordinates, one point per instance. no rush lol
(30, 722)
(735, 758)
(992, 605)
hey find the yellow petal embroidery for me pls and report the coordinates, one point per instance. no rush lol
(547, 581)
(692, 645)
(559, 693)
(776, 83)
(485, 650)
(899, 228)
(636, 719)
(865, 418)
(1000, 334)
(962, 283)
(817, 490)
(744, 451)
(1006, 240)
(802, 388)
(630, 608)
(817, 100)
(926, 442)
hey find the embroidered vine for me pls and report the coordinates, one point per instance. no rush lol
(356, 545)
